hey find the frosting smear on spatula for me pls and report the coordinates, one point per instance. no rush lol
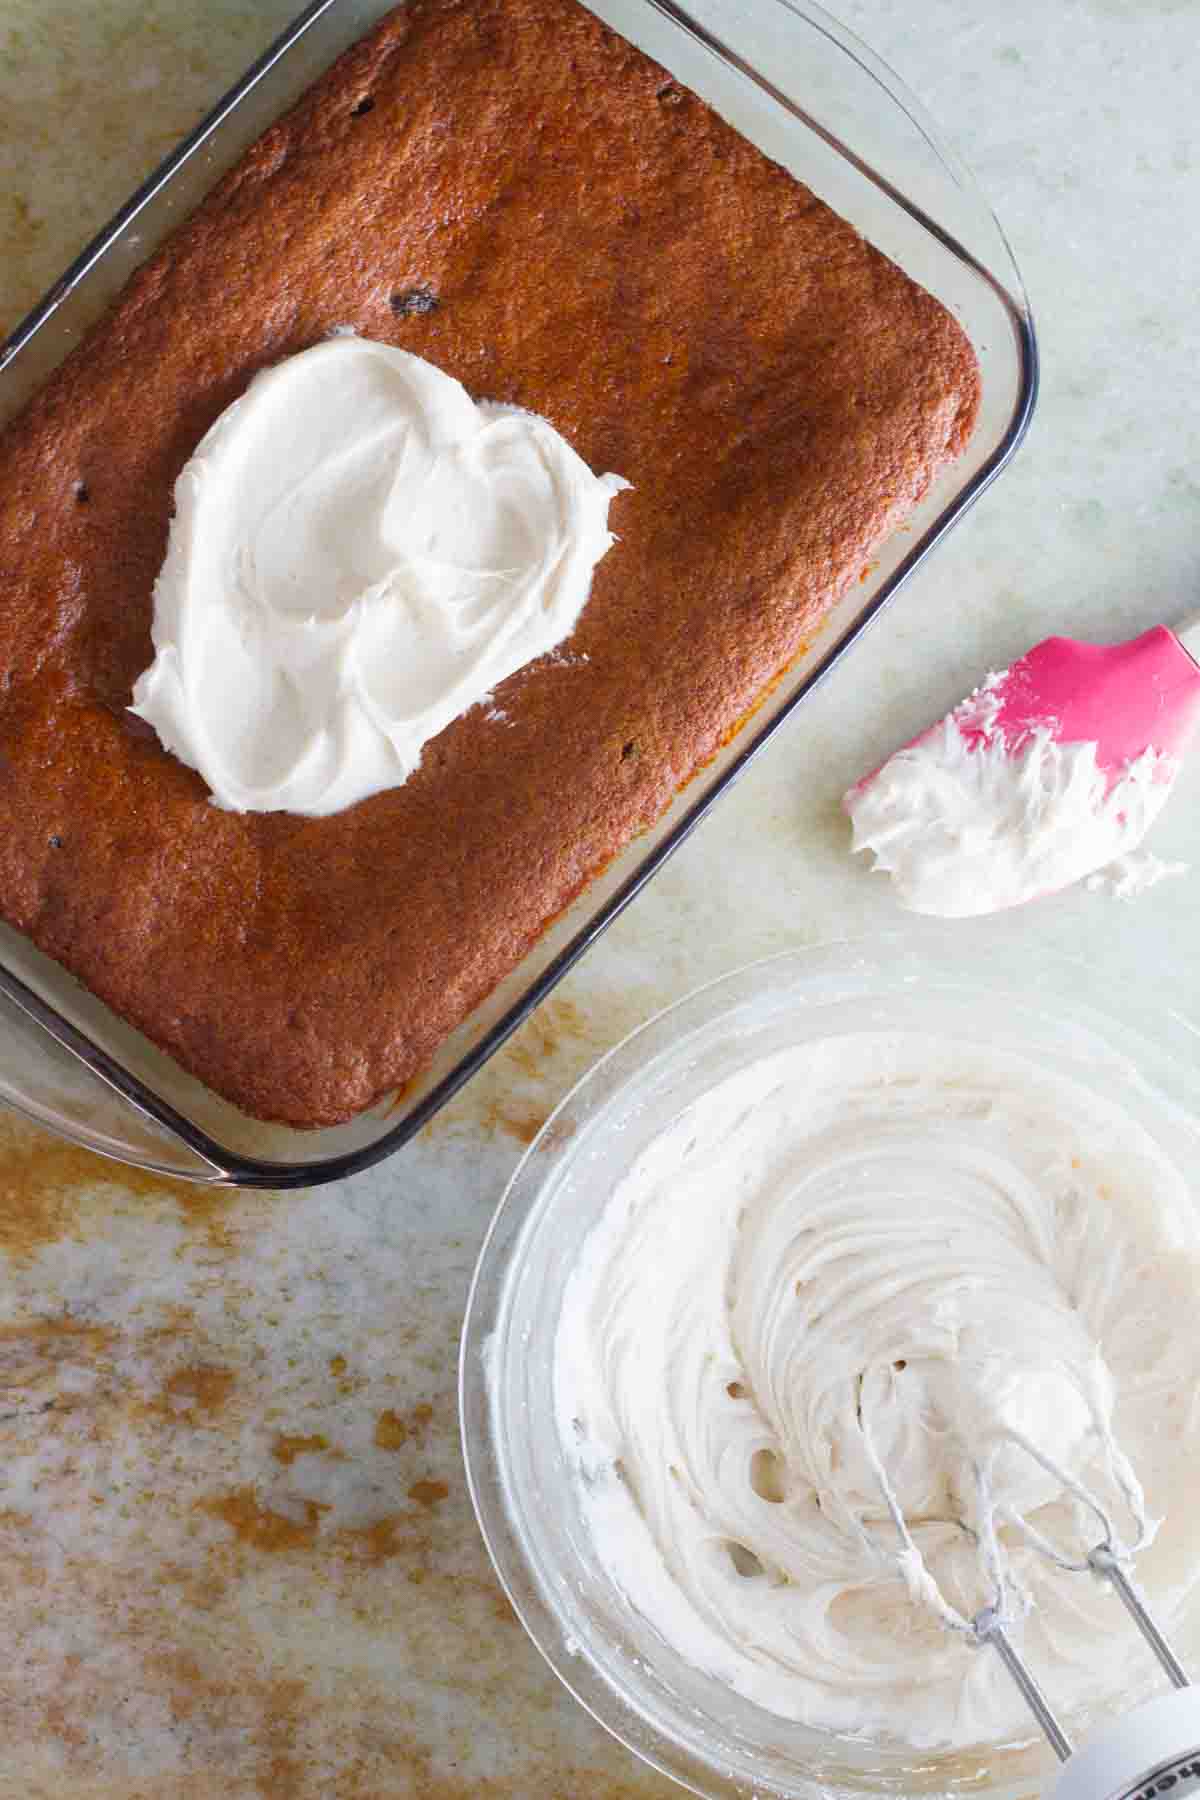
(971, 818)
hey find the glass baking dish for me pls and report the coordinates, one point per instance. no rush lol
(809, 94)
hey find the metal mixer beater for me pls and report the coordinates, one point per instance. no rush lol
(1153, 1750)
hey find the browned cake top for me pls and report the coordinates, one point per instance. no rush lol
(507, 188)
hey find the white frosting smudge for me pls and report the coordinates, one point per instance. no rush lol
(1131, 876)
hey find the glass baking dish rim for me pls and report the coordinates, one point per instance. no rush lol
(231, 1168)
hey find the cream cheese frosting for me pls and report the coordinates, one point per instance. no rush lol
(965, 822)
(360, 553)
(886, 1253)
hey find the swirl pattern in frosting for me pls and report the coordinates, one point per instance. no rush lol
(900, 1255)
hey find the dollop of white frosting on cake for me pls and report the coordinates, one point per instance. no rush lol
(888, 1261)
(360, 553)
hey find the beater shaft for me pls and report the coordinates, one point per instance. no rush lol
(1031, 1693)
(1105, 1564)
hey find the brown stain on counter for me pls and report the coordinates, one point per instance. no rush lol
(200, 1389)
(507, 1117)
(259, 1527)
(515, 1093)
(518, 1090)
(41, 1181)
(429, 1493)
(287, 1448)
(424, 1782)
(55, 1336)
(47, 1187)
(392, 1431)
(556, 1023)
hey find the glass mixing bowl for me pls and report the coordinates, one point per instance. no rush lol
(1137, 1052)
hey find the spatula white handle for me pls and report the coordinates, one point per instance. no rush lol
(1188, 633)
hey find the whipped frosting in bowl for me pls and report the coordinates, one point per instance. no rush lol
(696, 1295)
(879, 1266)
(360, 553)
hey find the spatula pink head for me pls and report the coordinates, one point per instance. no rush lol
(1049, 772)
(1124, 698)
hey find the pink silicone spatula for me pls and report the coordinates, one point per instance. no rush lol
(958, 836)
(1124, 698)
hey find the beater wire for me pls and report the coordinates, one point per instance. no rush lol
(1107, 1561)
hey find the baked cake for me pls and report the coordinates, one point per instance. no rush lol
(509, 189)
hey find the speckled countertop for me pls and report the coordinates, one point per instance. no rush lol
(238, 1551)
